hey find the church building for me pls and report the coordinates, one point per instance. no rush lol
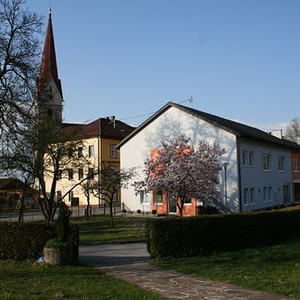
(99, 137)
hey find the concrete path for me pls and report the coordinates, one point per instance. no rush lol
(129, 262)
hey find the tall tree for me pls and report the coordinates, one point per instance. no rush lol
(183, 172)
(45, 153)
(293, 130)
(19, 51)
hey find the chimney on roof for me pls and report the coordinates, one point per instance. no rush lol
(277, 133)
(112, 119)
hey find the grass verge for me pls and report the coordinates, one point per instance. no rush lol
(98, 230)
(29, 280)
(274, 269)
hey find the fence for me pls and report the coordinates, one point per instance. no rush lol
(77, 211)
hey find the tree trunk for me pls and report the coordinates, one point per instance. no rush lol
(180, 206)
(21, 209)
(111, 212)
(88, 207)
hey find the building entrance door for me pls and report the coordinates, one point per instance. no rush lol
(172, 205)
(297, 192)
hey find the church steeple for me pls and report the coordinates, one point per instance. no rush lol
(49, 85)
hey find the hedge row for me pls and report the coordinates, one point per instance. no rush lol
(184, 237)
(27, 240)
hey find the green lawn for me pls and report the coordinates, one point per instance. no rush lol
(274, 269)
(98, 229)
(29, 280)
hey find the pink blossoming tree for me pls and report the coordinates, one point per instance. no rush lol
(183, 172)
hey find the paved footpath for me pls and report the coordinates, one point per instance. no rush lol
(129, 262)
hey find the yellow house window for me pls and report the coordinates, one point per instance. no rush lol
(91, 151)
(113, 151)
(91, 173)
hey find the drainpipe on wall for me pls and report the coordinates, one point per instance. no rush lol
(238, 158)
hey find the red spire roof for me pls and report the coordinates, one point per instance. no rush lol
(48, 68)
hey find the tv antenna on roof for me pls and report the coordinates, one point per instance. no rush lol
(191, 101)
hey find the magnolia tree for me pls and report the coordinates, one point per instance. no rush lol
(183, 171)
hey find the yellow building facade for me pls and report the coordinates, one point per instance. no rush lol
(99, 140)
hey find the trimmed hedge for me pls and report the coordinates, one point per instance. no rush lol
(184, 237)
(26, 240)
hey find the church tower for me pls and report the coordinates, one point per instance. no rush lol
(49, 89)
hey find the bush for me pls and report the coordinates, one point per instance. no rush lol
(56, 244)
(154, 211)
(138, 211)
(184, 237)
(27, 240)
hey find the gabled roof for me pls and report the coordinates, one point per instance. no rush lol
(102, 127)
(238, 129)
(48, 68)
(11, 184)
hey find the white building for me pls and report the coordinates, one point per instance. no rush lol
(258, 174)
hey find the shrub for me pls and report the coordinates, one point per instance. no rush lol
(56, 244)
(184, 237)
(154, 211)
(123, 210)
(138, 211)
(27, 240)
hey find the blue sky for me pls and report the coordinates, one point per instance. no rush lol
(239, 59)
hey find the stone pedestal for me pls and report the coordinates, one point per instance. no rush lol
(55, 256)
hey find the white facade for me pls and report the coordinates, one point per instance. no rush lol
(172, 123)
(266, 177)
(258, 173)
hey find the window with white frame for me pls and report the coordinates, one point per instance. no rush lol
(70, 153)
(266, 162)
(295, 164)
(286, 193)
(80, 152)
(251, 158)
(246, 196)
(244, 157)
(144, 197)
(158, 197)
(113, 151)
(270, 194)
(265, 193)
(91, 173)
(115, 197)
(252, 195)
(91, 151)
(280, 163)
(70, 174)
(80, 174)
